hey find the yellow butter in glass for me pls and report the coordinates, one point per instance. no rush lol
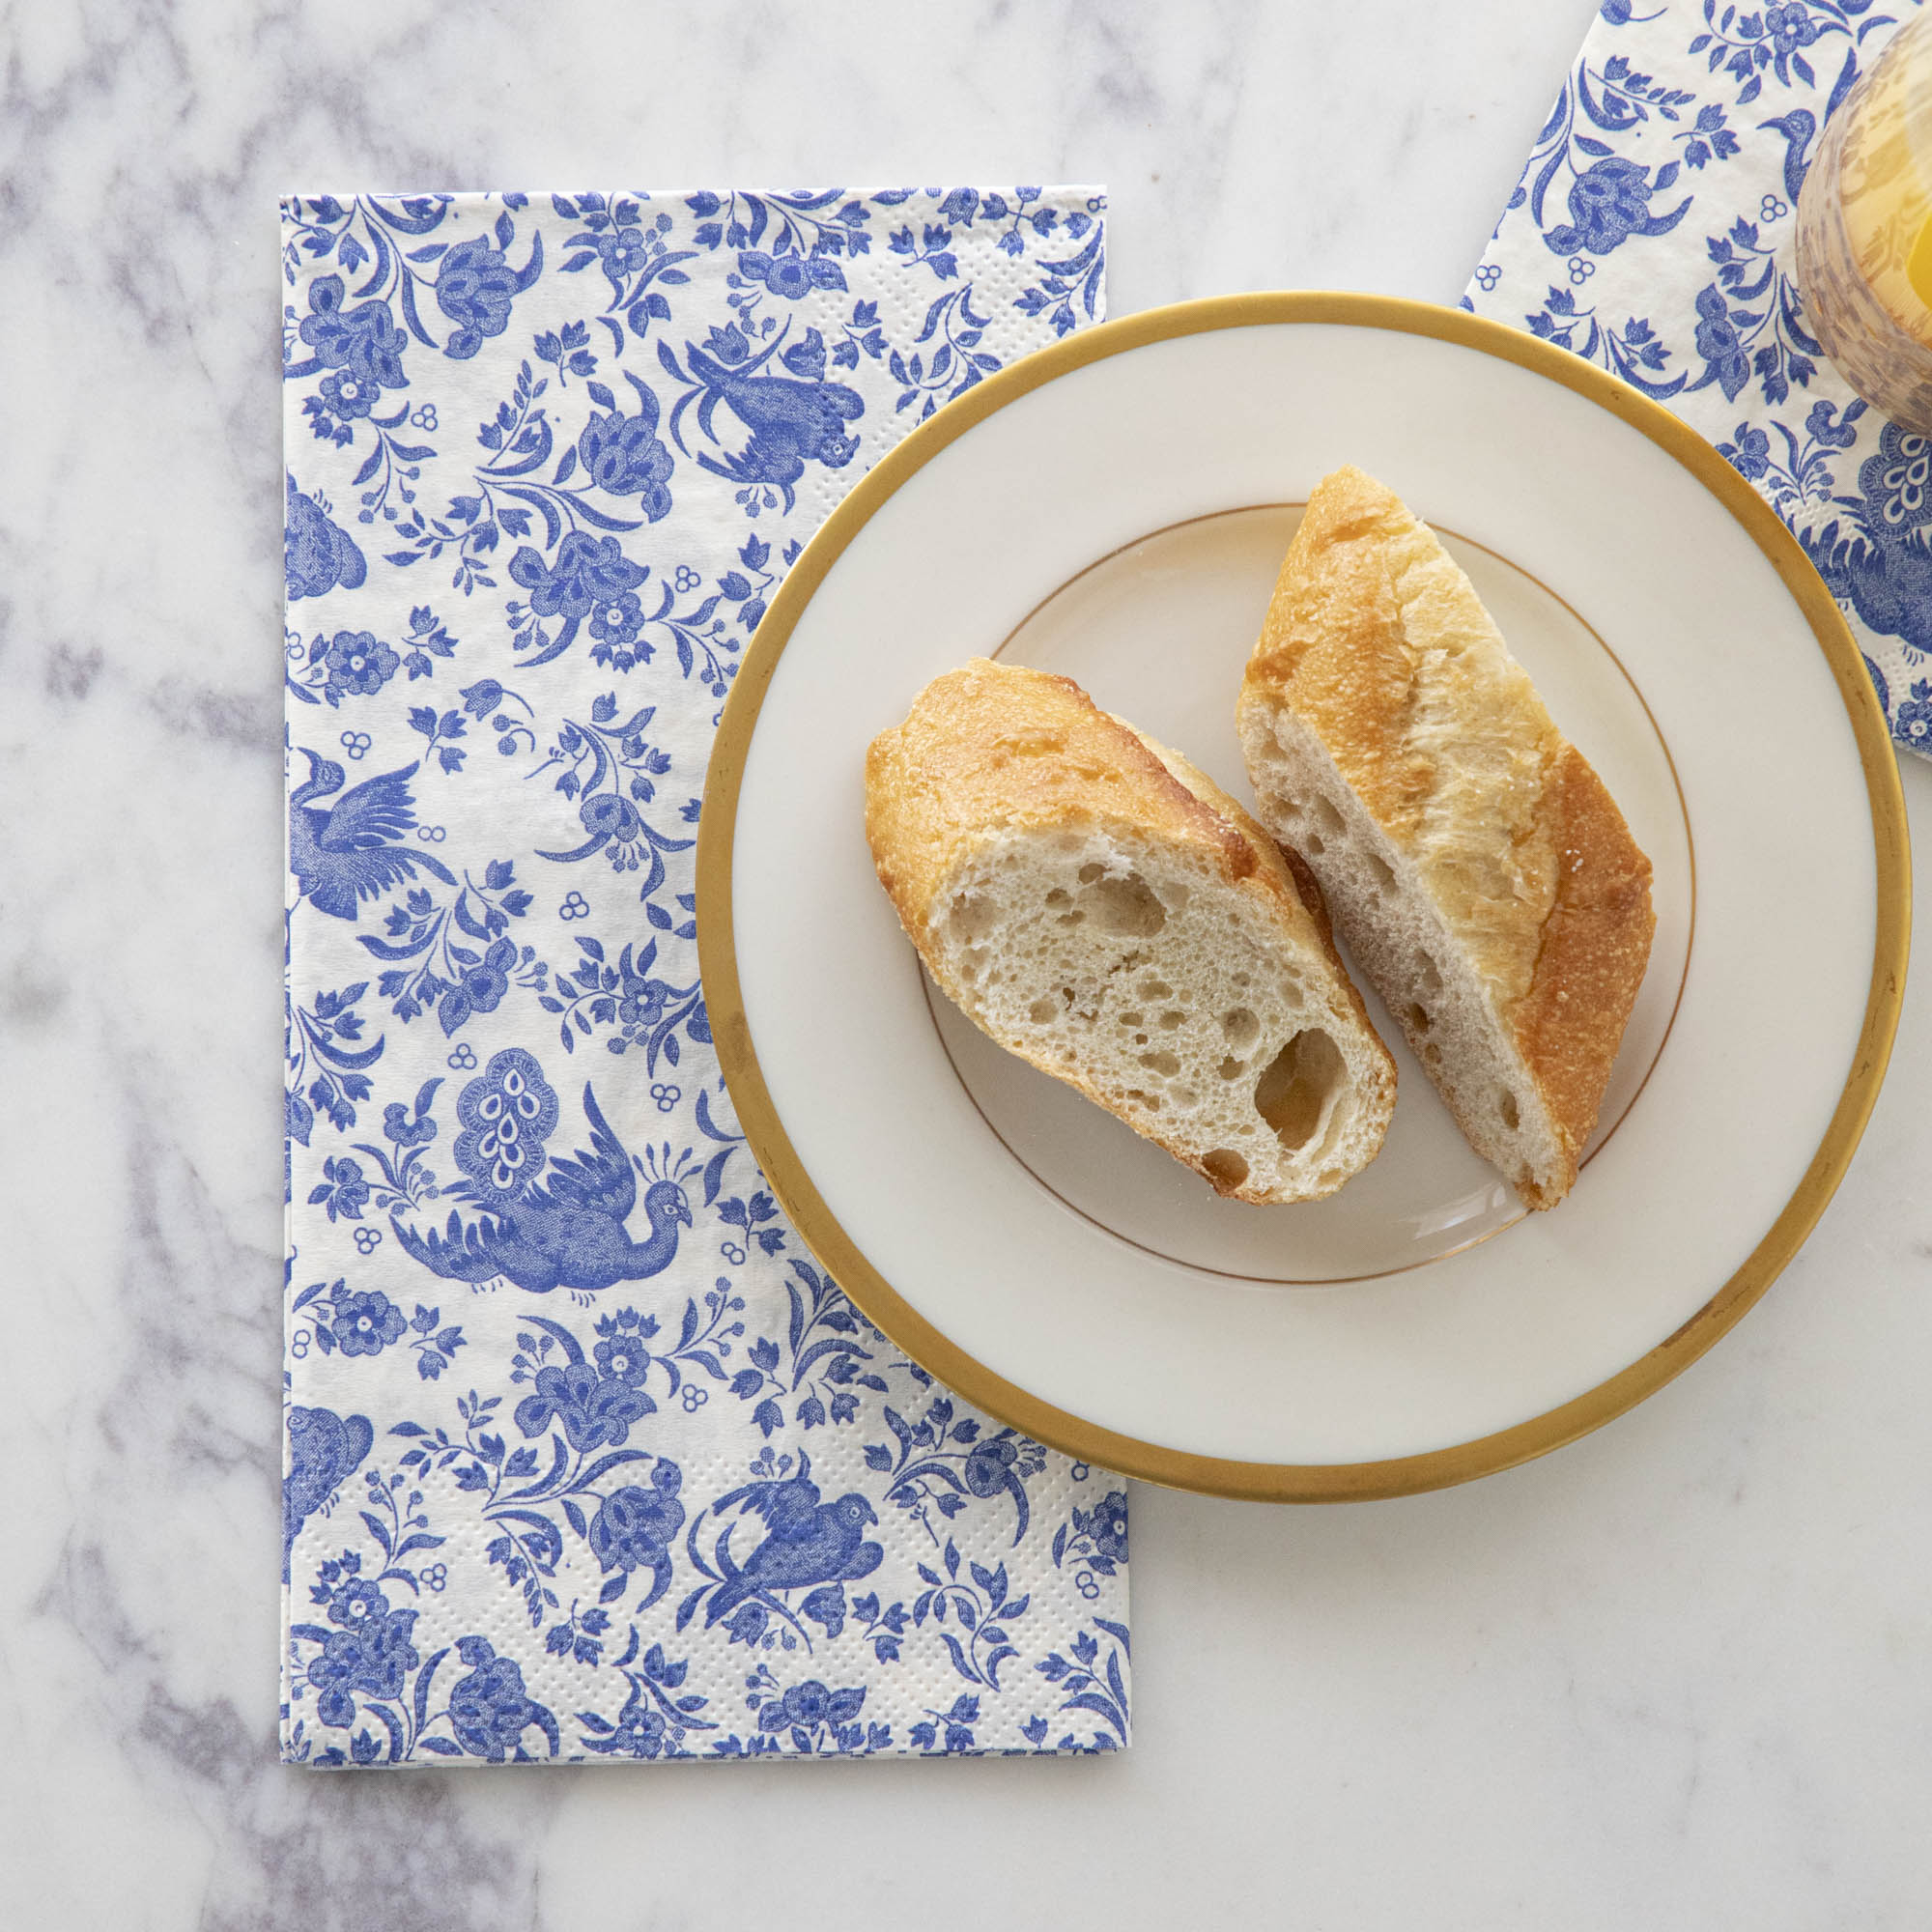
(1864, 233)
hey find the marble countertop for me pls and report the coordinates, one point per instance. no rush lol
(1676, 1675)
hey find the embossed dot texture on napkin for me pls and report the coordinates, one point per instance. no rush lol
(1652, 233)
(585, 1457)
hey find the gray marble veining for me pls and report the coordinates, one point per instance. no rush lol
(1675, 1675)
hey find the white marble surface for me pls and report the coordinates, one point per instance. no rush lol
(1679, 1674)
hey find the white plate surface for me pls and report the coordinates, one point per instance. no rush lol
(1122, 523)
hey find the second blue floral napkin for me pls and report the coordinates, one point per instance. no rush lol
(1652, 233)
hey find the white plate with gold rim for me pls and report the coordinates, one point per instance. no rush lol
(1115, 508)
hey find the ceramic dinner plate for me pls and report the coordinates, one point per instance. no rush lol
(1115, 509)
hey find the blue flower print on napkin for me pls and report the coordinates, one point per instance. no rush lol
(585, 1457)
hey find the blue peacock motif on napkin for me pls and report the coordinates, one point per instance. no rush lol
(585, 1457)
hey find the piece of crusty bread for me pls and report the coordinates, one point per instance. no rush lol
(1482, 877)
(1097, 906)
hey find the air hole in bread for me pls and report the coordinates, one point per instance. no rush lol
(1432, 1054)
(1140, 1040)
(1241, 1028)
(1312, 843)
(1178, 896)
(1418, 1019)
(971, 919)
(1292, 1096)
(1125, 905)
(1163, 1064)
(1089, 873)
(1232, 1068)
(1057, 897)
(1155, 989)
(1132, 1020)
(1170, 1020)
(1182, 1096)
(1382, 871)
(1327, 818)
(1043, 1012)
(1427, 975)
(1511, 1118)
(1151, 1101)
(1225, 1167)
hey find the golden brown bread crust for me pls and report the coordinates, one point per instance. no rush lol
(1332, 644)
(1596, 943)
(994, 747)
(1378, 643)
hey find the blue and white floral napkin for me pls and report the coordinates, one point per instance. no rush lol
(585, 1457)
(1652, 233)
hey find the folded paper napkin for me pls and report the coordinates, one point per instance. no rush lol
(586, 1458)
(1652, 234)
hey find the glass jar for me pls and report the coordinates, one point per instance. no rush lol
(1864, 233)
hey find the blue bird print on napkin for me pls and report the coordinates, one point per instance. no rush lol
(347, 852)
(566, 1230)
(793, 419)
(324, 1449)
(1796, 128)
(809, 1542)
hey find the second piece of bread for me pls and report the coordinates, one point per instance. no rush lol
(1100, 908)
(1482, 876)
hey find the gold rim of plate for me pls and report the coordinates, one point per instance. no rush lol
(1214, 1475)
